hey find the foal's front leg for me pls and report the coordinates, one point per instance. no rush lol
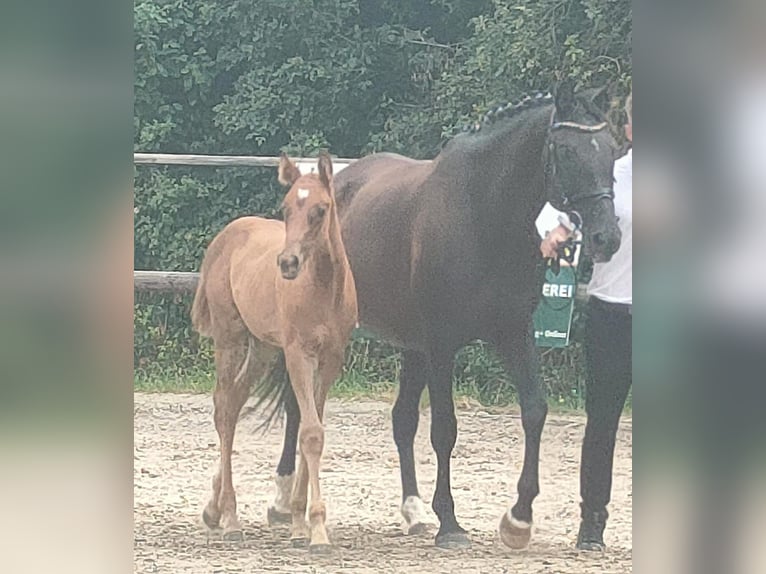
(304, 371)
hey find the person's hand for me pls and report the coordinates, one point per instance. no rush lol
(553, 239)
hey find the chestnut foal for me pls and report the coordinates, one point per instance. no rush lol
(268, 288)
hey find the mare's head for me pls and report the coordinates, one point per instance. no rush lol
(306, 210)
(579, 162)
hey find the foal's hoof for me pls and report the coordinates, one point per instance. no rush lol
(514, 533)
(210, 520)
(417, 529)
(276, 518)
(233, 536)
(453, 541)
(320, 549)
(299, 542)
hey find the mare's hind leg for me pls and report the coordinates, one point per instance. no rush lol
(280, 512)
(405, 415)
(237, 364)
(521, 358)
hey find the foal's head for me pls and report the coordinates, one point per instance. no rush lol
(307, 210)
(580, 156)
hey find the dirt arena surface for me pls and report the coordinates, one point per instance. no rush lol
(176, 454)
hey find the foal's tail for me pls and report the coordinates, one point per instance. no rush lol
(274, 394)
(200, 312)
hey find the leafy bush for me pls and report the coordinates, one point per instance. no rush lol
(354, 76)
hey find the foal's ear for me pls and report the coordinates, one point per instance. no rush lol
(288, 172)
(324, 167)
(565, 98)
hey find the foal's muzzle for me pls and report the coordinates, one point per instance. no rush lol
(289, 266)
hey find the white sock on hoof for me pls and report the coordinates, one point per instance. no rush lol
(516, 523)
(414, 511)
(284, 493)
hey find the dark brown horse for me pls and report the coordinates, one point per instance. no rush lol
(444, 252)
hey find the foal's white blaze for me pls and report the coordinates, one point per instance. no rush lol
(516, 523)
(303, 193)
(414, 511)
(284, 493)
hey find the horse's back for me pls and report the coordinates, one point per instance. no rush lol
(374, 168)
(239, 279)
(378, 201)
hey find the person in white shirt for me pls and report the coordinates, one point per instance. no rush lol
(609, 358)
(608, 349)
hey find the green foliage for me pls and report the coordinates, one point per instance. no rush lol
(353, 76)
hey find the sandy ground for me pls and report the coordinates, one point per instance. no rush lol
(176, 454)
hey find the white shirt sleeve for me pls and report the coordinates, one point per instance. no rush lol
(547, 220)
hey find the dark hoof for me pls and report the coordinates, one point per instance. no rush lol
(320, 549)
(591, 546)
(417, 529)
(299, 542)
(233, 536)
(514, 533)
(276, 518)
(210, 521)
(453, 541)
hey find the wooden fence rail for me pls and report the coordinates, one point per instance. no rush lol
(222, 160)
(186, 282)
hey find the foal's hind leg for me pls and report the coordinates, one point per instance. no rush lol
(405, 415)
(230, 394)
(521, 358)
(236, 366)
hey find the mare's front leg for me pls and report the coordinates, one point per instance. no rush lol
(280, 512)
(405, 418)
(443, 436)
(231, 392)
(518, 350)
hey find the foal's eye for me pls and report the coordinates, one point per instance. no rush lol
(317, 213)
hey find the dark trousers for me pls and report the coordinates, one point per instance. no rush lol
(609, 357)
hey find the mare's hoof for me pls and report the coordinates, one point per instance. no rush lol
(453, 541)
(591, 546)
(233, 536)
(514, 533)
(417, 529)
(320, 549)
(210, 520)
(299, 542)
(276, 518)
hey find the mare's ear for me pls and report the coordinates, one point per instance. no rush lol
(288, 171)
(324, 167)
(564, 98)
(597, 98)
